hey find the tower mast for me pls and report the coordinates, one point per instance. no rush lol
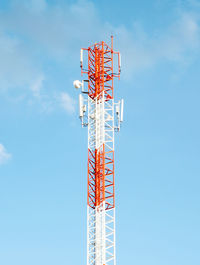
(103, 119)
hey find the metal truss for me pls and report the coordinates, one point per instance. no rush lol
(100, 236)
(101, 218)
(101, 121)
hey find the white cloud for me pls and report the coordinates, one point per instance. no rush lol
(43, 33)
(62, 29)
(177, 44)
(37, 86)
(58, 30)
(36, 5)
(16, 66)
(41, 95)
(194, 3)
(67, 103)
(49, 100)
(4, 155)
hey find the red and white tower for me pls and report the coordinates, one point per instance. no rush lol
(103, 117)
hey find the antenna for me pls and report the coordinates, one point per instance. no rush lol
(81, 58)
(80, 106)
(120, 61)
(77, 84)
(122, 111)
(117, 108)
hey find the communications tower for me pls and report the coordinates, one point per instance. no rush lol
(103, 117)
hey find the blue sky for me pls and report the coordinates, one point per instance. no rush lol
(43, 150)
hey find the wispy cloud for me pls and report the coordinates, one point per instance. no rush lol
(40, 33)
(16, 66)
(178, 43)
(37, 86)
(67, 102)
(35, 6)
(57, 29)
(4, 155)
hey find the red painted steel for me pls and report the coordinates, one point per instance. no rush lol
(101, 183)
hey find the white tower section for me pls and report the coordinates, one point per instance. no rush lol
(101, 222)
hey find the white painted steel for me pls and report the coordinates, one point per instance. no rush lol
(81, 56)
(120, 62)
(122, 111)
(80, 105)
(100, 222)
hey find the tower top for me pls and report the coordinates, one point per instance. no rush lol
(100, 69)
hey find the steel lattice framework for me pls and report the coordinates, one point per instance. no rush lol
(101, 126)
